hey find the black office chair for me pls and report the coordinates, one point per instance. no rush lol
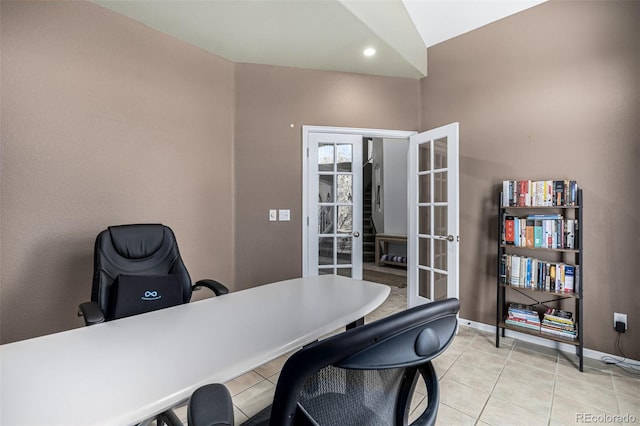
(138, 269)
(364, 376)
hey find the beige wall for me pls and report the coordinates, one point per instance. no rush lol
(104, 122)
(268, 151)
(550, 93)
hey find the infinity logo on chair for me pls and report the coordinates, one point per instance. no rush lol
(151, 295)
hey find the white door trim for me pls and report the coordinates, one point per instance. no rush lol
(373, 133)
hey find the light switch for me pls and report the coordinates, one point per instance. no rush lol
(284, 215)
(273, 215)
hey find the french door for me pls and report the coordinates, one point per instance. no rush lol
(433, 217)
(335, 213)
(332, 206)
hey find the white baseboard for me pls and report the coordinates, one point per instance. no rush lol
(588, 353)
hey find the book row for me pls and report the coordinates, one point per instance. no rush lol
(554, 321)
(550, 231)
(542, 193)
(535, 274)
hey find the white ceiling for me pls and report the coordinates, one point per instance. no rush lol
(320, 34)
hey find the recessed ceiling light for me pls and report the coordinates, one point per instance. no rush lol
(370, 51)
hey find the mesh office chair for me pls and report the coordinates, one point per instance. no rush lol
(365, 376)
(138, 269)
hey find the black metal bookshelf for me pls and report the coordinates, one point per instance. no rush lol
(537, 296)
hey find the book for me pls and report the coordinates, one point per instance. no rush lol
(564, 334)
(522, 193)
(503, 269)
(524, 324)
(519, 307)
(523, 272)
(573, 193)
(514, 279)
(547, 278)
(550, 216)
(558, 326)
(548, 193)
(529, 233)
(570, 233)
(558, 199)
(505, 194)
(560, 277)
(537, 233)
(509, 230)
(569, 274)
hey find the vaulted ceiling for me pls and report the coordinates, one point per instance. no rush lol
(320, 34)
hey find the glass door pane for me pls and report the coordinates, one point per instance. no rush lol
(425, 208)
(339, 222)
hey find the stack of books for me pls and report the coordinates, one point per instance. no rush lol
(559, 323)
(522, 316)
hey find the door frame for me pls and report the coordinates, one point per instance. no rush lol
(373, 133)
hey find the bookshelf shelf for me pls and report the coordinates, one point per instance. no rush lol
(563, 294)
(540, 251)
(565, 250)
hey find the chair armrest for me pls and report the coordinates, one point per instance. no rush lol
(91, 312)
(212, 285)
(210, 405)
(428, 417)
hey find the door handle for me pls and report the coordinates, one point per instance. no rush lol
(450, 238)
(356, 234)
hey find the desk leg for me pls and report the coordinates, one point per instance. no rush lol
(356, 323)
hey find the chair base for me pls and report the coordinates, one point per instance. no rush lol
(167, 418)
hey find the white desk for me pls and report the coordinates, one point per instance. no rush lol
(122, 372)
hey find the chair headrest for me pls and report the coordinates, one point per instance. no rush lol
(137, 241)
(408, 338)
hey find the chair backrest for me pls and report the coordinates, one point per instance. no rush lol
(365, 375)
(135, 255)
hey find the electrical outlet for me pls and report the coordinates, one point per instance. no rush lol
(619, 317)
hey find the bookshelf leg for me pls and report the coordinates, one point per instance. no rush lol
(581, 358)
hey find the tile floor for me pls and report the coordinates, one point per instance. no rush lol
(518, 384)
